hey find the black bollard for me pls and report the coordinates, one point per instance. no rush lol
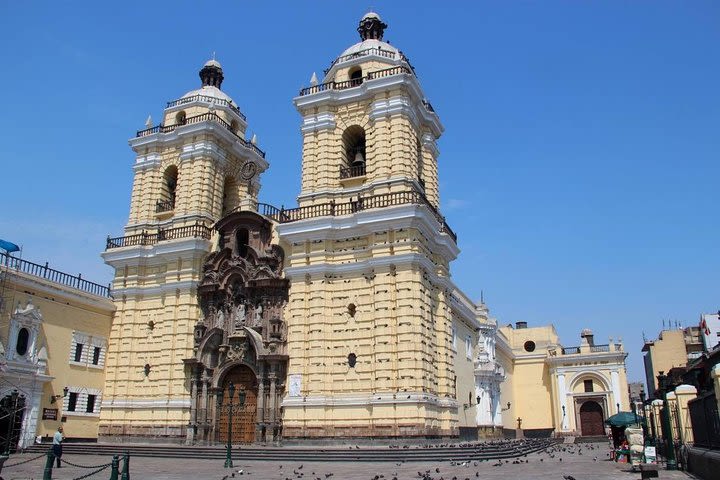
(126, 467)
(47, 475)
(114, 467)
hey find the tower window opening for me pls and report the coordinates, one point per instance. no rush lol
(231, 199)
(234, 126)
(356, 76)
(181, 118)
(420, 166)
(242, 238)
(352, 360)
(167, 198)
(354, 152)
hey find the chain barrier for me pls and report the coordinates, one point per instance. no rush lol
(86, 466)
(93, 473)
(24, 461)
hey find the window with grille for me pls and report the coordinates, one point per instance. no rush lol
(87, 350)
(588, 385)
(72, 401)
(82, 401)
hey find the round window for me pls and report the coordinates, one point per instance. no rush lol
(23, 339)
(529, 346)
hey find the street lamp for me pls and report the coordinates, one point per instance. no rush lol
(663, 382)
(14, 395)
(229, 408)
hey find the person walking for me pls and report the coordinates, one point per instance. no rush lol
(57, 444)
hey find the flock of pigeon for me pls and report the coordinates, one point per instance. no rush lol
(553, 453)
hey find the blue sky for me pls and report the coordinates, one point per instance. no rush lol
(578, 167)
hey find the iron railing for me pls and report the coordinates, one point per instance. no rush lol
(570, 350)
(400, 69)
(369, 51)
(705, 421)
(208, 99)
(205, 117)
(44, 271)
(599, 348)
(164, 206)
(145, 238)
(332, 209)
(350, 172)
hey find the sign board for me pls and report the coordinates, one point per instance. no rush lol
(295, 382)
(50, 413)
(650, 455)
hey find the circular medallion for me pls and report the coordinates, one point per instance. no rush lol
(248, 171)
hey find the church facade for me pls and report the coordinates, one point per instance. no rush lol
(335, 319)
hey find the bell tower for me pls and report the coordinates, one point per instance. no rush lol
(190, 170)
(372, 314)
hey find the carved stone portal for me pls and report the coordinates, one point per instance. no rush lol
(241, 337)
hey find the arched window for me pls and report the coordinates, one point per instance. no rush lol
(180, 118)
(231, 199)
(354, 150)
(356, 76)
(242, 239)
(167, 197)
(420, 165)
(23, 340)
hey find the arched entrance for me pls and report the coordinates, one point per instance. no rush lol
(12, 411)
(243, 414)
(591, 419)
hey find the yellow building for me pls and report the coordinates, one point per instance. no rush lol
(673, 348)
(566, 390)
(54, 330)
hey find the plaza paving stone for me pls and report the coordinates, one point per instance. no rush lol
(591, 465)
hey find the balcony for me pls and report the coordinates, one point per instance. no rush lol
(399, 70)
(144, 238)
(281, 215)
(205, 117)
(352, 172)
(207, 99)
(9, 263)
(163, 206)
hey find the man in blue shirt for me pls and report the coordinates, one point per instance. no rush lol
(57, 444)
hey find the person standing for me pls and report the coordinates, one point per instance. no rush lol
(57, 444)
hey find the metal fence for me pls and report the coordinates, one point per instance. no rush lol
(705, 421)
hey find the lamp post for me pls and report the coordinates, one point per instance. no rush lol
(663, 381)
(228, 453)
(13, 401)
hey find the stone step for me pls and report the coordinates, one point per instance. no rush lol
(482, 451)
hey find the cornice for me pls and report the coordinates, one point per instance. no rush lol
(370, 88)
(367, 222)
(163, 251)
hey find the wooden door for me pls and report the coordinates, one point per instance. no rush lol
(243, 415)
(591, 419)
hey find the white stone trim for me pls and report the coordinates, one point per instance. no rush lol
(164, 288)
(146, 403)
(120, 257)
(57, 290)
(317, 122)
(366, 222)
(369, 400)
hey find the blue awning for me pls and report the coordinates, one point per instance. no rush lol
(9, 246)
